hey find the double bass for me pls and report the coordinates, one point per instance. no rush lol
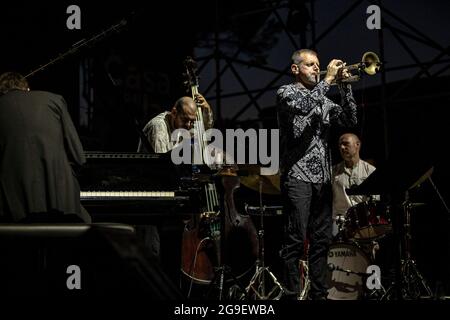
(219, 235)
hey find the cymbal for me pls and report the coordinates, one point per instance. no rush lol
(268, 184)
(229, 171)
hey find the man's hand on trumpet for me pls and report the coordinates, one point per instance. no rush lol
(343, 73)
(336, 71)
(332, 70)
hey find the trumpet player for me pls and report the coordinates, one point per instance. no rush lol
(305, 116)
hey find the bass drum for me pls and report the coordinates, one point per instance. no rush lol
(348, 284)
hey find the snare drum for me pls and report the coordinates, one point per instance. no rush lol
(368, 220)
(348, 284)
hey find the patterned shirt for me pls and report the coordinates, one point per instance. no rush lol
(304, 118)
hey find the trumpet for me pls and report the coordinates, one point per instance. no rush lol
(370, 64)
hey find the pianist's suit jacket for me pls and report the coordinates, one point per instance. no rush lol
(38, 147)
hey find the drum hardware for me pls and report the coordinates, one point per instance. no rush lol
(266, 210)
(220, 275)
(258, 287)
(333, 267)
(412, 282)
(341, 228)
(223, 274)
(347, 265)
(376, 293)
(375, 246)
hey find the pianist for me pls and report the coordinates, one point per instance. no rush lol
(38, 147)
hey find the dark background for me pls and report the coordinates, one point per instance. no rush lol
(133, 73)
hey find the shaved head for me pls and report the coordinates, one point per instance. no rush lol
(186, 105)
(353, 137)
(184, 113)
(349, 146)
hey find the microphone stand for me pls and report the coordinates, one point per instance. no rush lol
(80, 44)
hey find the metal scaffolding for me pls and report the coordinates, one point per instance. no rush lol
(281, 11)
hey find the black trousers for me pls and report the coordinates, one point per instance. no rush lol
(308, 216)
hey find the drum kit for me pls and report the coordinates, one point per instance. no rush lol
(372, 225)
(360, 235)
(352, 252)
(354, 249)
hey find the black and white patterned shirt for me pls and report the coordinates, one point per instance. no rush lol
(304, 118)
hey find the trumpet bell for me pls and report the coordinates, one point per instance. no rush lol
(371, 63)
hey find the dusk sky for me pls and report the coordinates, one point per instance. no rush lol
(347, 41)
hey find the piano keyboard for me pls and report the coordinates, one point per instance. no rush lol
(95, 195)
(135, 207)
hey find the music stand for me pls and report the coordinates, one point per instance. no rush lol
(392, 181)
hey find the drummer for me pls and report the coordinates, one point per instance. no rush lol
(349, 172)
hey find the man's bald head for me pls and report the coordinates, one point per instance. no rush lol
(186, 105)
(184, 113)
(349, 146)
(351, 137)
